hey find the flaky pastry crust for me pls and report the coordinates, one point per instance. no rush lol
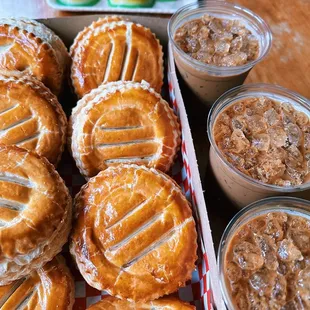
(123, 122)
(134, 235)
(113, 49)
(164, 303)
(30, 47)
(31, 116)
(35, 213)
(48, 288)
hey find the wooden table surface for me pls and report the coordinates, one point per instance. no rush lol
(288, 63)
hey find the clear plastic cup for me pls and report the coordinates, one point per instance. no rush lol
(240, 188)
(208, 82)
(290, 205)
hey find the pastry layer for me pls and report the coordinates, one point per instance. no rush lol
(133, 229)
(31, 116)
(123, 122)
(111, 49)
(35, 213)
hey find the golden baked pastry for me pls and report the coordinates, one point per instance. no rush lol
(35, 213)
(134, 235)
(165, 303)
(123, 122)
(28, 46)
(112, 49)
(48, 288)
(31, 116)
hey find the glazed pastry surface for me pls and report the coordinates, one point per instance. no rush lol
(133, 229)
(113, 49)
(48, 288)
(30, 47)
(31, 116)
(35, 213)
(123, 122)
(164, 303)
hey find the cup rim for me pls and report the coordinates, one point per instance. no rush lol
(221, 69)
(300, 100)
(254, 206)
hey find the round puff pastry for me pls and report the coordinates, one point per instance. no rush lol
(48, 288)
(31, 116)
(113, 49)
(29, 46)
(134, 235)
(123, 122)
(35, 213)
(112, 303)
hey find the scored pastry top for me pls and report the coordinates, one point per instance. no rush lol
(30, 47)
(134, 228)
(112, 303)
(31, 116)
(35, 212)
(113, 49)
(49, 287)
(123, 122)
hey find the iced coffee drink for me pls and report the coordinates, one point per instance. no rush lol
(260, 143)
(265, 262)
(215, 46)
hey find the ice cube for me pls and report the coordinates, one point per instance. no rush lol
(278, 136)
(192, 44)
(281, 182)
(257, 124)
(221, 48)
(224, 118)
(263, 104)
(294, 134)
(287, 107)
(301, 239)
(261, 142)
(304, 286)
(279, 290)
(294, 158)
(206, 18)
(236, 59)
(275, 225)
(239, 122)
(233, 272)
(263, 281)
(236, 160)
(203, 32)
(203, 56)
(216, 25)
(270, 169)
(266, 245)
(287, 251)
(301, 118)
(272, 117)
(240, 142)
(307, 141)
(221, 131)
(238, 107)
(236, 45)
(248, 256)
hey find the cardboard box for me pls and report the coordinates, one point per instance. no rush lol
(203, 290)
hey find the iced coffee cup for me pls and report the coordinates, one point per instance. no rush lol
(264, 256)
(215, 45)
(260, 143)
